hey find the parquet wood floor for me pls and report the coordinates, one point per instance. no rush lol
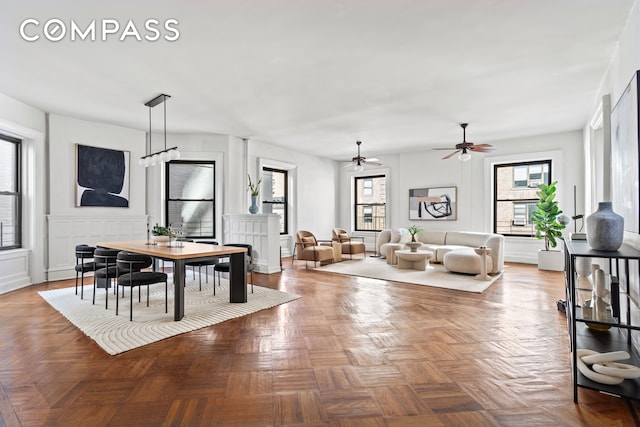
(352, 352)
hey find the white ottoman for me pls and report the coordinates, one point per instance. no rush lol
(391, 252)
(465, 261)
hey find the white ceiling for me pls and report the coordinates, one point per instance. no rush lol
(317, 75)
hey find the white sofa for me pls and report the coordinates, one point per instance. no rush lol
(460, 244)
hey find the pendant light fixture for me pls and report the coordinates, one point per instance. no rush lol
(167, 154)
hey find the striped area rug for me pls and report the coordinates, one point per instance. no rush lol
(116, 334)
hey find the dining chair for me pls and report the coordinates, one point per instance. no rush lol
(133, 263)
(106, 271)
(84, 264)
(224, 267)
(206, 263)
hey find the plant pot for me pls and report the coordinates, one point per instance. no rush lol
(161, 240)
(253, 209)
(414, 246)
(551, 260)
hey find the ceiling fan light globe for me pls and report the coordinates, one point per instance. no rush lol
(464, 156)
(358, 168)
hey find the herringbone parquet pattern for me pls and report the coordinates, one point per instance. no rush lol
(351, 352)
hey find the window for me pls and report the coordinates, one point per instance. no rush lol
(10, 193)
(190, 203)
(370, 200)
(516, 185)
(274, 193)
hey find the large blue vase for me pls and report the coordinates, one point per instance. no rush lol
(254, 207)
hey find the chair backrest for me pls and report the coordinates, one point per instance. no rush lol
(340, 235)
(133, 262)
(84, 251)
(105, 256)
(305, 239)
(249, 250)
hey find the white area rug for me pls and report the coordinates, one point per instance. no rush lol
(116, 334)
(435, 275)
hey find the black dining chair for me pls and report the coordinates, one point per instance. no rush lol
(206, 263)
(84, 264)
(106, 272)
(133, 263)
(225, 266)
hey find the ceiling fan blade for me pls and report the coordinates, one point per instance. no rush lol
(481, 149)
(448, 156)
(348, 165)
(371, 160)
(483, 145)
(372, 163)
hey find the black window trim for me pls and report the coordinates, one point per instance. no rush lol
(17, 194)
(495, 191)
(167, 199)
(286, 196)
(355, 204)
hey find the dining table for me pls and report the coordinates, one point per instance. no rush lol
(180, 253)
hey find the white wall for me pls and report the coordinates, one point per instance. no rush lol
(313, 195)
(427, 169)
(69, 225)
(625, 62)
(21, 267)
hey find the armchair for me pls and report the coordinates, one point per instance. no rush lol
(308, 249)
(349, 246)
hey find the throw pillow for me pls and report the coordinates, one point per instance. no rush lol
(395, 237)
(405, 236)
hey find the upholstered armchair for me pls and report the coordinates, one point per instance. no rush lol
(308, 249)
(349, 244)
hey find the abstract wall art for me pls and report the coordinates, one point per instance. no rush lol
(433, 203)
(102, 177)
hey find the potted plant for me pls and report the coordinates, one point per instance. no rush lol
(255, 190)
(413, 244)
(545, 218)
(161, 234)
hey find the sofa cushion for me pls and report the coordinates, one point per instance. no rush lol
(466, 238)
(432, 237)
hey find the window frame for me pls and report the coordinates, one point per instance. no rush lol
(17, 194)
(496, 200)
(167, 199)
(286, 196)
(364, 179)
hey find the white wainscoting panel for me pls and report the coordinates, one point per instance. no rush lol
(262, 232)
(14, 270)
(67, 231)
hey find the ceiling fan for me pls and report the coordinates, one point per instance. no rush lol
(359, 161)
(465, 147)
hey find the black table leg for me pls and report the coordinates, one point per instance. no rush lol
(237, 277)
(178, 288)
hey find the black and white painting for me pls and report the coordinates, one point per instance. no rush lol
(102, 177)
(625, 194)
(434, 203)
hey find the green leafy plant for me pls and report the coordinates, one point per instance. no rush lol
(159, 230)
(546, 215)
(413, 230)
(254, 188)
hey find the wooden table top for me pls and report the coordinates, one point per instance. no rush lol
(188, 249)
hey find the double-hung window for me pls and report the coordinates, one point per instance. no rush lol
(370, 203)
(274, 195)
(515, 195)
(10, 193)
(190, 202)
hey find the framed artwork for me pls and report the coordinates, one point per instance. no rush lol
(434, 203)
(625, 191)
(102, 177)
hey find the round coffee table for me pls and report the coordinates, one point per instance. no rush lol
(418, 260)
